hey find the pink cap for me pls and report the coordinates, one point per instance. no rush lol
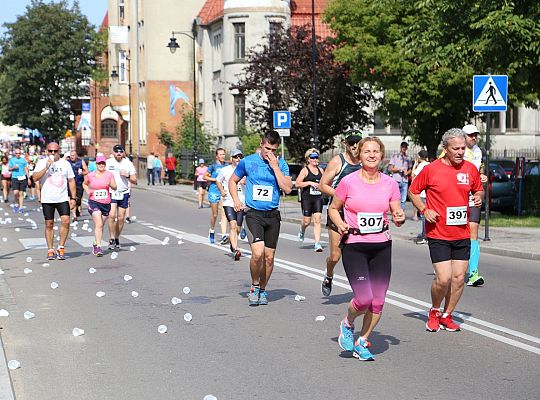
(100, 159)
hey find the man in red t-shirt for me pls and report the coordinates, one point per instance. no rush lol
(170, 166)
(447, 182)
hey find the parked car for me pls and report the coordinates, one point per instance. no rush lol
(501, 189)
(509, 166)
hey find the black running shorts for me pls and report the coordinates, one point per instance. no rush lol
(49, 209)
(311, 205)
(263, 226)
(445, 250)
(233, 215)
(474, 214)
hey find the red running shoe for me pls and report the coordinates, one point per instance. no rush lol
(434, 317)
(449, 324)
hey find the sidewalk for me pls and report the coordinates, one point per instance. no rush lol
(511, 242)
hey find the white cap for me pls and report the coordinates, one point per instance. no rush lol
(470, 129)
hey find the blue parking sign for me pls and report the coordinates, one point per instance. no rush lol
(282, 120)
(490, 93)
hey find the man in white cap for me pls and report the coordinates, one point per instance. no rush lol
(473, 154)
(235, 218)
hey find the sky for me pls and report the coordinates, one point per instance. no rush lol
(93, 9)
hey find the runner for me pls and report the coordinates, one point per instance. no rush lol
(366, 196)
(200, 183)
(55, 175)
(20, 178)
(448, 182)
(96, 185)
(474, 155)
(6, 178)
(80, 170)
(32, 160)
(235, 218)
(338, 167)
(312, 203)
(265, 175)
(125, 175)
(214, 198)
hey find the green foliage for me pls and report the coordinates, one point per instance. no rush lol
(278, 76)
(47, 56)
(250, 138)
(100, 71)
(185, 134)
(423, 54)
(165, 137)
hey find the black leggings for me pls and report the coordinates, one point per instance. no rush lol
(368, 267)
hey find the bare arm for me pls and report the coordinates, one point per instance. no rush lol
(398, 216)
(39, 174)
(300, 179)
(332, 169)
(84, 167)
(86, 186)
(416, 200)
(72, 190)
(284, 182)
(112, 183)
(233, 190)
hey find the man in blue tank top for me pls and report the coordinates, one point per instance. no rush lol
(338, 167)
(265, 175)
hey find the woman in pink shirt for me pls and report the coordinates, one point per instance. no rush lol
(200, 172)
(96, 185)
(366, 196)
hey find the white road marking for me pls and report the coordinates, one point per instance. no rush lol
(142, 239)
(294, 238)
(318, 274)
(87, 241)
(34, 243)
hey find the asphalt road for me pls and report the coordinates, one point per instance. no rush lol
(233, 351)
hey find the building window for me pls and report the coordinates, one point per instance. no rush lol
(512, 118)
(142, 123)
(216, 51)
(239, 41)
(109, 128)
(122, 66)
(239, 112)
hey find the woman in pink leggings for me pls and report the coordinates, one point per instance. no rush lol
(366, 197)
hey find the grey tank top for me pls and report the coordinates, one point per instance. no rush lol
(345, 170)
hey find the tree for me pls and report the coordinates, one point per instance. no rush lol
(48, 55)
(422, 55)
(278, 76)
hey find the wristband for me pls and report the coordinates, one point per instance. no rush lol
(423, 210)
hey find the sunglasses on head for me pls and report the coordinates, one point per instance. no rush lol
(314, 156)
(52, 151)
(240, 156)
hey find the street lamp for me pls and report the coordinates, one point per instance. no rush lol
(114, 76)
(173, 46)
(314, 76)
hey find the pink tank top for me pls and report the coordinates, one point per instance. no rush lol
(201, 172)
(99, 186)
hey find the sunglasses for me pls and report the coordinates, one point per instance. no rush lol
(240, 156)
(52, 151)
(314, 157)
(353, 142)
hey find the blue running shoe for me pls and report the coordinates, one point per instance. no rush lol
(253, 297)
(212, 237)
(361, 351)
(243, 233)
(15, 209)
(263, 299)
(317, 248)
(300, 236)
(346, 336)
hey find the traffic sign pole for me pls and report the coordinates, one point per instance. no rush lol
(488, 174)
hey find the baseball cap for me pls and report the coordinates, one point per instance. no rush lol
(201, 160)
(404, 144)
(100, 159)
(353, 139)
(470, 129)
(118, 148)
(235, 152)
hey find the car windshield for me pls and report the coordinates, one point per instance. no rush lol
(498, 173)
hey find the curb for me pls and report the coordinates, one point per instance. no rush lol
(6, 386)
(486, 250)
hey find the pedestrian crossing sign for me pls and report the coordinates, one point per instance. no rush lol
(490, 93)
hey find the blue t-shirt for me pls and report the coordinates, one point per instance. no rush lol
(21, 162)
(213, 170)
(262, 189)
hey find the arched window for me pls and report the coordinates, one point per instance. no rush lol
(109, 128)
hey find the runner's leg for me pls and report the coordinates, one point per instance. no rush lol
(317, 227)
(455, 290)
